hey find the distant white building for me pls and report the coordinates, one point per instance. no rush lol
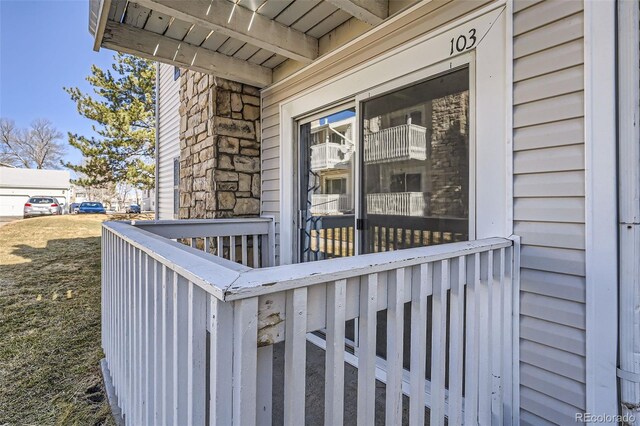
(17, 185)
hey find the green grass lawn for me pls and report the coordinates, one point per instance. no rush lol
(50, 322)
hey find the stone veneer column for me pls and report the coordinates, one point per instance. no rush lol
(219, 147)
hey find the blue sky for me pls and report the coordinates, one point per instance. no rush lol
(44, 46)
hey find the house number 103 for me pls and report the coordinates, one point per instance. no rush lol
(462, 43)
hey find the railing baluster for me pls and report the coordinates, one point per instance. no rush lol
(245, 353)
(295, 355)
(334, 370)
(421, 288)
(181, 309)
(256, 252)
(496, 283)
(244, 251)
(232, 248)
(439, 344)
(158, 348)
(485, 336)
(221, 247)
(196, 355)
(221, 375)
(168, 336)
(367, 349)
(471, 373)
(509, 341)
(151, 330)
(456, 342)
(264, 386)
(127, 340)
(207, 244)
(138, 338)
(395, 342)
(194, 242)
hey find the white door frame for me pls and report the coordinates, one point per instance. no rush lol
(601, 207)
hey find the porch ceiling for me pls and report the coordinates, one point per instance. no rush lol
(242, 40)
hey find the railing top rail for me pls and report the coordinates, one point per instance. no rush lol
(256, 282)
(213, 274)
(227, 280)
(189, 228)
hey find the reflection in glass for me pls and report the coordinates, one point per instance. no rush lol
(416, 164)
(327, 187)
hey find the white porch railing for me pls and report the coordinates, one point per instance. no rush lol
(404, 142)
(188, 336)
(327, 155)
(397, 203)
(331, 203)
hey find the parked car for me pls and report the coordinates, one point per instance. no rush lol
(91, 207)
(41, 205)
(133, 208)
(73, 208)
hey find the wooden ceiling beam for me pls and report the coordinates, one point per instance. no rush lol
(135, 41)
(372, 12)
(233, 21)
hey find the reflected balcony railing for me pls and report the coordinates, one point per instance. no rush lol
(397, 203)
(404, 142)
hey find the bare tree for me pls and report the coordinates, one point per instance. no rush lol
(38, 147)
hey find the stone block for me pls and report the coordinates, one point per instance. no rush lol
(229, 85)
(199, 195)
(250, 112)
(199, 210)
(185, 199)
(228, 145)
(246, 164)
(203, 84)
(250, 152)
(244, 182)
(223, 103)
(206, 154)
(236, 102)
(249, 144)
(251, 100)
(225, 162)
(250, 90)
(247, 206)
(201, 128)
(255, 185)
(200, 184)
(226, 200)
(223, 176)
(237, 115)
(210, 201)
(235, 128)
(227, 186)
(199, 170)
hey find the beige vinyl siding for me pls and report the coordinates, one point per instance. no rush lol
(427, 17)
(549, 208)
(168, 137)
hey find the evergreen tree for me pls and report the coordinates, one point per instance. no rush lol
(123, 108)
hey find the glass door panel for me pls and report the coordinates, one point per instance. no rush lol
(326, 187)
(415, 144)
(415, 175)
